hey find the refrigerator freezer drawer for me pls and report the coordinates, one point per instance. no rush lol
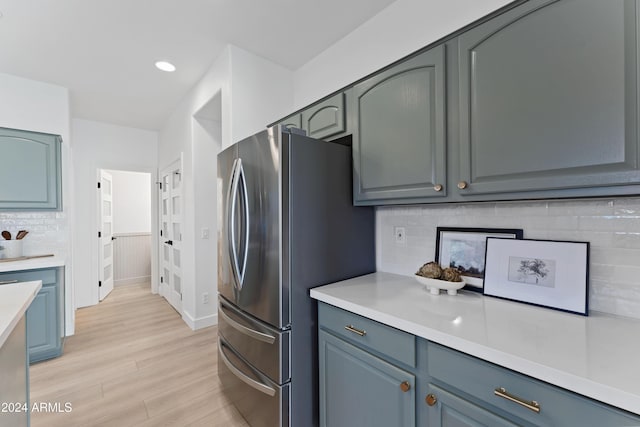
(264, 347)
(261, 402)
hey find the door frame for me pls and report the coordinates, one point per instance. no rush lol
(153, 186)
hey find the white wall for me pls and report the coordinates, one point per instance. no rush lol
(398, 30)
(104, 146)
(131, 202)
(249, 92)
(207, 135)
(262, 92)
(36, 106)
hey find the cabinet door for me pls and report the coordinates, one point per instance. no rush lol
(399, 132)
(325, 119)
(547, 96)
(31, 170)
(294, 121)
(45, 316)
(450, 410)
(42, 325)
(358, 389)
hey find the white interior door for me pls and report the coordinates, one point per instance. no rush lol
(105, 234)
(171, 235)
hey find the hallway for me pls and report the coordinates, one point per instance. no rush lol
(133, 362)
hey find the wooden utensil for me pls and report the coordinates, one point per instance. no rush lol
(21, 234)
(6, 235)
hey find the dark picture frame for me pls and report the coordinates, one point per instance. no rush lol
(464, 248)
(546, 273)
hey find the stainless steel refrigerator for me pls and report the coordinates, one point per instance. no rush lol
(288, 225)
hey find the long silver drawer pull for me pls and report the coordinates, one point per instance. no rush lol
(355, 330)
(243, 377)
(7, 282)
(269, 339)
(529, 404)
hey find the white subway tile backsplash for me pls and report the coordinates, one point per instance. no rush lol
(612, 226)
(47, 231)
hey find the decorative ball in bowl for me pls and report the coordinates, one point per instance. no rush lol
(434, 285)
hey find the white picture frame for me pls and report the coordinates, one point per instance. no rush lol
(546, 273)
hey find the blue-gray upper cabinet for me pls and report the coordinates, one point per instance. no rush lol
(45, 316)
(325, 119)
(294, 121)
(548, 101)
(30, 174)
(398, 127)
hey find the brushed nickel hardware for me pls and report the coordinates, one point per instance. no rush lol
(405, 386)
(355, 330)
(529, 404)
(462, 185)
(437, 187)
(431, 399)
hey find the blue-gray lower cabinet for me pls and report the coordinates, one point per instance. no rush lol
(374, 375)
(450, 410)
(367, 372)
(31, 170)
(358, 389)
(45, 316)
(463, 387)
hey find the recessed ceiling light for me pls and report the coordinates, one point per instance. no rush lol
(165, 66)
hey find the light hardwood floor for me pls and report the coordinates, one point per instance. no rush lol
(133, 362)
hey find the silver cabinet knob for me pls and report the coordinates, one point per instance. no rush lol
(462, 185)
(438, 187)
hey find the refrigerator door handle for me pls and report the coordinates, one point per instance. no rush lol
(269, 339)
(263, 388)
(245, 195)
(232, 197)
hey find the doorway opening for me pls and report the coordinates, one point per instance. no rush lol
(125, 229)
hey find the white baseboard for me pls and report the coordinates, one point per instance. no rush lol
(201, 322)
(132, 281)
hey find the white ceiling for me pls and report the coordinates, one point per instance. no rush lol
(104, 50)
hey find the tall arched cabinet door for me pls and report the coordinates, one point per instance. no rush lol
(399, 133)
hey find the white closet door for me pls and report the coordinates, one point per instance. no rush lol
(171, 240)
(106, 234)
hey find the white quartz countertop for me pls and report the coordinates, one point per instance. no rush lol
(32, 264)
(14, 301)
(596, 356)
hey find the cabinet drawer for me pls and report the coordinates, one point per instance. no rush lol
(388, 341)
(479, 379)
